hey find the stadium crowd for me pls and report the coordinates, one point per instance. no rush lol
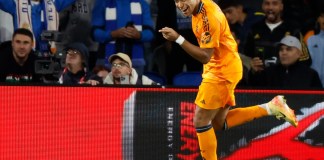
(281, 42)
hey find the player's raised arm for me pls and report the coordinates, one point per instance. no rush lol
(201, 54)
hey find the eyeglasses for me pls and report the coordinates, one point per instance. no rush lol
(71, 51)
(119, 65)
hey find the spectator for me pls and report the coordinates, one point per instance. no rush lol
(173, 58)
(123, 73)
(316, 48)
(289, 73)
(264, 34)
(123, 26)
(17, 59)
(76, 70)
(75, 23)
(101, 71)
(40, 16)
(240, 18)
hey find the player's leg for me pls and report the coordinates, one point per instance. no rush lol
(211, 98)
(277, 107)
(240, 116)
(219, 120)
(226, 118)
(205, 133)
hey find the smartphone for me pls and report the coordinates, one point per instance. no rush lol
(259, 52)
(129, 24)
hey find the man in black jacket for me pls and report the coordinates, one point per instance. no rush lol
(17, 58)
(290, 73)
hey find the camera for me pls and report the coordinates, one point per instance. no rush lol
(44, 67)
(54, 36)
(49, 65)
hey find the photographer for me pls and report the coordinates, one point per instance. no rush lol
(76, 70)
(17, 58)
(290, 73)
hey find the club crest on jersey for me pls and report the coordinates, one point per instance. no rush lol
(205, 37)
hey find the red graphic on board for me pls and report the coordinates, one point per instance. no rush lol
(61, 123)
(190, 146)
(284, 144)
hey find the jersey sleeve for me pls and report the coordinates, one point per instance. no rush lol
(211, 31)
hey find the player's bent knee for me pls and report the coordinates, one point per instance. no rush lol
(218, 124)
(200, 121)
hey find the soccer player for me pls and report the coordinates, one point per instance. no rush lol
(222, 70)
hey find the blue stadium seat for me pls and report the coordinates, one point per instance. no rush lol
(156, 77)
(188, 79)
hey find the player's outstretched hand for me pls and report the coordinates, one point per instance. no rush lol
(169, 33)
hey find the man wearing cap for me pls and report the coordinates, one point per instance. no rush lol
(290, 73)
(76, 70)
(123, 73)
(264, 34)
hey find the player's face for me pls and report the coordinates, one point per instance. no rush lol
(273, 10)
(187, 7)
(22, 46)
(288, 55)
(233, 14)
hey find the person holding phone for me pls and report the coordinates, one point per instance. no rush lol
(289, 73)
(261, 38)
(123, 26)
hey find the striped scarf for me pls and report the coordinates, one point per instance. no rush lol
(137, 49)
(23, 9)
